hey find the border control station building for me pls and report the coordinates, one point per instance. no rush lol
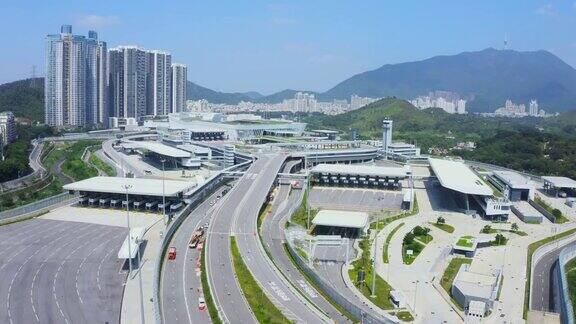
(468, 189)
(143, 194)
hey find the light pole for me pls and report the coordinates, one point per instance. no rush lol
(140, 283)
(415, 295)
(163, 194)
(373, 295)
(127, 187)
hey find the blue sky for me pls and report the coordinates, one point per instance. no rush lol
(269, 46)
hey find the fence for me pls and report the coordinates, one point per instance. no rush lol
(566, 310)
(38, 206)
(197, 195)
(334, 294)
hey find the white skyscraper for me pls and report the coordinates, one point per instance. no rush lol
(72, 78)
(179, 81)
(533, 108)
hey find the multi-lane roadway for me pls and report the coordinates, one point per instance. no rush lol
(180, 282)
(273, 237)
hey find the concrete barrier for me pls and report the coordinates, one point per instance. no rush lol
(198, 194)
(566, 309)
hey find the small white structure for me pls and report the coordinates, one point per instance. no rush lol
(471, 286)
(342, 219)
(131, 244)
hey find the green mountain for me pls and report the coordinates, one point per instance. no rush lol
(197, 92)
(486, 78)
(25, 98)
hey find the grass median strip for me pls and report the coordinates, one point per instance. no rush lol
(388, 239)
(97, 162)
(261, 306)
(207, 295)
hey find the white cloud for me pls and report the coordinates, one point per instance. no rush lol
(547, 10)
(96, 21)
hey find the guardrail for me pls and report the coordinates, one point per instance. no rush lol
(197, 195)
(566, 309)
(37, 206)
(327, 288)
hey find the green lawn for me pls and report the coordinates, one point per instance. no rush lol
(416, 249)
(465, 241)
(425, 238)
(531, 248)
(451, 271)
(560, 218)
(261, 306)
(300, 217)
(571, 276)
(445, 227)
(388, 239)
(404, 316)
(74, 167)
(96, 161)
(29, 196)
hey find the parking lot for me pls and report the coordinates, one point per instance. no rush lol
(55, 271)
(355, 199)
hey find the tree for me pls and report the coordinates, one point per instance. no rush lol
(440, 220)
(514, 227)
(500, 239)
(487, 229)
(408, 239)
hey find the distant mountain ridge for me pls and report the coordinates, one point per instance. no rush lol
(485, 78)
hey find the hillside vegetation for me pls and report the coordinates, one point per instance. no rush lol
(25, 98)
(541, 146)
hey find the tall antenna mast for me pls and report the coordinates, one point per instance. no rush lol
(505, 41)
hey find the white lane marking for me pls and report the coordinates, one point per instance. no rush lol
(62, 235)
(82, 265)
(60, 268)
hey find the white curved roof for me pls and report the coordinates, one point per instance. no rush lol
(158, 148)
(455, 175)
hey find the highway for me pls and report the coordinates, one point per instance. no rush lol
(226, 292)
(244, 224)
(48, 275)
(35, 164)
(545, 290)
(120, 160)
(273, 237)
(179, 281)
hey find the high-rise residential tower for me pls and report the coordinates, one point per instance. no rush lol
(179, 81)
(159, 80)
(128, 74)
(72, 78)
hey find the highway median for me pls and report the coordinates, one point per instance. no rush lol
(264, 310)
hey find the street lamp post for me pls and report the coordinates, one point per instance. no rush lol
(373, 295)
(140, 283)
(128, 187)
(163, 194)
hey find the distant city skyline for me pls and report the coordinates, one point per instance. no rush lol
(267, 47)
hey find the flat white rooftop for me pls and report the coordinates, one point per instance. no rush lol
(130, 250)
(455, 175)
(514, 180)
(158, 148)
(362, 170)
(475, 284)
(139, 186)
(339, 218)
(561, 182)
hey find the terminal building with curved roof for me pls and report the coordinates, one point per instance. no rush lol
(459, 179)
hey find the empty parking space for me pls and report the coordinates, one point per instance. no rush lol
(60, 272)
(355, 199)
